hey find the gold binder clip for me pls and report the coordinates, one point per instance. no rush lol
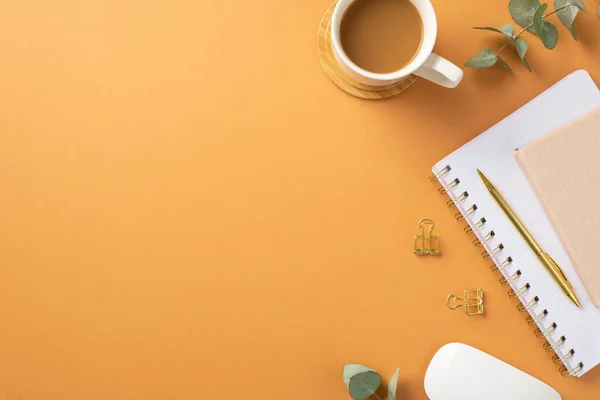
(472, 302)
(425, 243)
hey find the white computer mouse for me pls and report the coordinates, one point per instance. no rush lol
(458, 371)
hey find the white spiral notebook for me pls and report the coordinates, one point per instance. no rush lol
(572, 334)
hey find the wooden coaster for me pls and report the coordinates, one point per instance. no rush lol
(341, 79)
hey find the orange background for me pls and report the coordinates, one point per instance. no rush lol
(191, 209)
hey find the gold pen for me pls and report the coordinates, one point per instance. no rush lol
(549, 264)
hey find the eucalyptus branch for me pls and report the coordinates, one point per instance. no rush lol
(529, 15)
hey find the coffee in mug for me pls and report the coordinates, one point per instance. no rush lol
(381, 36)
(382, 42)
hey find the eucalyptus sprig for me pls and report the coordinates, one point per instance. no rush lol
(529, 15)
(362, 382)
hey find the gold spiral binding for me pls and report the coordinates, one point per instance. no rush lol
(448, 188)
(510, 279)
(504, 264)
(442, 172)
(556, 345)
(485, 239)
(470, 211)
(531, 320)
(514, 294)
(494, 252)
(529, 306)
(478, 225)
(561, 360)
(542, 334)
(459, 199)
(566, 372)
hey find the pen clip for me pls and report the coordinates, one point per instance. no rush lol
(555, 265)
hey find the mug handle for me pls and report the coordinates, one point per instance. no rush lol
(441, 71)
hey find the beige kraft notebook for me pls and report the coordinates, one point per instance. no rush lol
(563, 168)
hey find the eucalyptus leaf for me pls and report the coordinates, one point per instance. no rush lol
(573, 31)
(351, 370)
(522, 12)
(393, 385)
(362, 386)
(484, 59)
(549, 35)
(522, 46)
(505, 65)
(548, 32)
(576, 3)
(598, 12)
(507, 30)
(361, 381)
(567, 15)
(538, 17)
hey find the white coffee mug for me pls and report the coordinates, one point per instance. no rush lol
(426, 64)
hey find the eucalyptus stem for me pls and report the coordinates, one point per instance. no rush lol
(503, 47)
(377, 397)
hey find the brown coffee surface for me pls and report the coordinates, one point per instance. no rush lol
(381, 36)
